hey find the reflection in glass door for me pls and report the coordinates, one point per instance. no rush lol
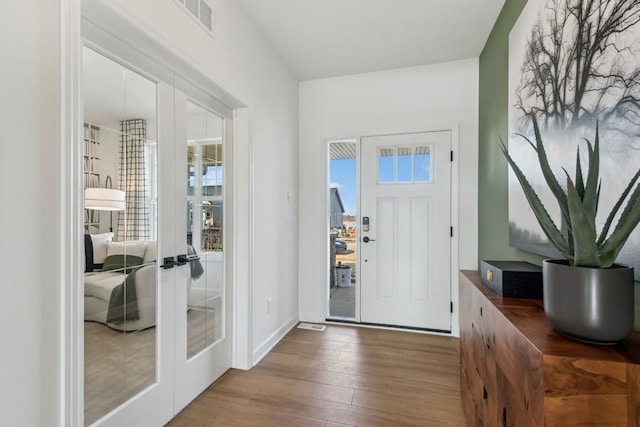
(120, 280)
(157, 177)
(203, 287)
(205, 228)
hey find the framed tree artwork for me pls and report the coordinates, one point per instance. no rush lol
(574, 64)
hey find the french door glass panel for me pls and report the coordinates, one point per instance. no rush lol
(120, 285)
(205, 228)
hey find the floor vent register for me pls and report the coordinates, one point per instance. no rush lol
(311, 326)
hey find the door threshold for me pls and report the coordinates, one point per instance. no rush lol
(384, 326)
(341, 320)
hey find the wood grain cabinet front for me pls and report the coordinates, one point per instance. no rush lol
(516, 371)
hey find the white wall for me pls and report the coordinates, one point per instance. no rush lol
(30, 374)
(417, 98)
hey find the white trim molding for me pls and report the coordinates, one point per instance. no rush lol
(71, 215)
(243, 238)
(455, 240)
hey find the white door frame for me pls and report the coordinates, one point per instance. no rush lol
(455, 203)
(70, 132)
(71, 406)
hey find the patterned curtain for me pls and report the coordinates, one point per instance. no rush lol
(134, 222)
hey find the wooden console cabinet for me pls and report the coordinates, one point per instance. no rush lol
(517, 371)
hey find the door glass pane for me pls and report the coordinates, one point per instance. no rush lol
(191, 170)
(422, 164)
(212, 170)
(192, 5)
(205, 228)
(120, 225)
(404, 164)
(386, 170)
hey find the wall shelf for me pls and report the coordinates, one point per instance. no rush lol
(91, 157)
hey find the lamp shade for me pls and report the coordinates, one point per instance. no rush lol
(104, 199)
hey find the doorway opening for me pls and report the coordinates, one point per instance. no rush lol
(343, 231)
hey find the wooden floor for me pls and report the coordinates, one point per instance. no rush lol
(344, 376)
(117, 366)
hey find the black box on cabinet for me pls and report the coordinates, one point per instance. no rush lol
(512, 279)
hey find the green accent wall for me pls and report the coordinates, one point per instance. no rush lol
(493, 211)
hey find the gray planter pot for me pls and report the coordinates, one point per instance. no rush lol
(589, 304)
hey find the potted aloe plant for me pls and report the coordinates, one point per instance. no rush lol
(586, 295)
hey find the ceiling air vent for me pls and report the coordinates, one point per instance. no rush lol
(201, 11)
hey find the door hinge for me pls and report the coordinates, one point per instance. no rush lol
(451, 306)
(451, 231)
(452, 155)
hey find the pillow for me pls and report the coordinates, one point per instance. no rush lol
(88, 253)
(136, 248)
(151, 254)
(121, 261)
(99, 242)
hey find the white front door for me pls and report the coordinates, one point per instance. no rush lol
(405, 260)
(203, 286)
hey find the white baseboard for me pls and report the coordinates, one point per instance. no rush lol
(274, 339)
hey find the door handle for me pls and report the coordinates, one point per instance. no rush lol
(168, 262)
(182, 259)
(193, 258)
(366, 239)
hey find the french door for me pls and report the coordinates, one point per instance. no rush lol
(203, 292)
(142, 374)
(405, 241)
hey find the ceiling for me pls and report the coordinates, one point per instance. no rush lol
(113, 93)
(328, 38)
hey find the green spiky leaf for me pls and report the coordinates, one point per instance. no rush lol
(628, 221)
(552, 182)
(583, 230)
(616, 207)
(590, 199)
(544, 219)
(579, 179)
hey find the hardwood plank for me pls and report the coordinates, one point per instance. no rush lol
(324, 392)
(279, 359)
(257, 384)
(338, 412)
(434, 409)
(344, 376)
